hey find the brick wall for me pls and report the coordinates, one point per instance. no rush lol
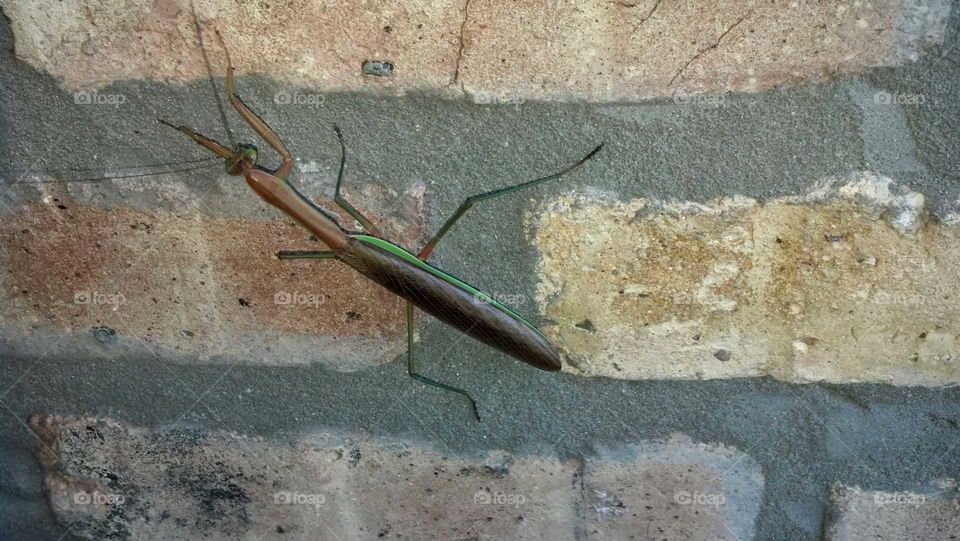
(754, 285)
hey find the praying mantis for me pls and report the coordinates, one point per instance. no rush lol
(406, 274)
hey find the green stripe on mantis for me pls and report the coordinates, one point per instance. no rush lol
(452, 280)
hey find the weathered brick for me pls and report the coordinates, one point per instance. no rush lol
(90, 44)
(933, 513)
(559, 49)
(847, 283)
(672, 490)
(202, 285)
(106, 478)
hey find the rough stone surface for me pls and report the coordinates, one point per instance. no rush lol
(559, 49)
(850, 282)
(107, 479)
(681, 490)
(81, 268)
(898, 122)
(89, 44)
(932, 512)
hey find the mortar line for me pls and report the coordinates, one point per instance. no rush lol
(32, 366)
(830, 429)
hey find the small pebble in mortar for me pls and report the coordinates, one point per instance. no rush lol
(377, 68)
(105, 335)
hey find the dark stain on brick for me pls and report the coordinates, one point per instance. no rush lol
(219, 495)
(586, 325)
(499, 471)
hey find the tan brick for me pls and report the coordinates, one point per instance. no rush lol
(89, 44)
(104, 477)
(673, 490)
(871, 514)
(849, 283)
(496, 51)
(204, 286)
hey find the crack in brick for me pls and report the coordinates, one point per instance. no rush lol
(703, 51)
(646, 18)
(580, 501)
(463, 26)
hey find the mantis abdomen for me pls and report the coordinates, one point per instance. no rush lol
(450, 300)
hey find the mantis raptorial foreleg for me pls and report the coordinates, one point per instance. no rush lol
(255, 122)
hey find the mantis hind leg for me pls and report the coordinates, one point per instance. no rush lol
(470, 201)
(339, 200)
(412, 369)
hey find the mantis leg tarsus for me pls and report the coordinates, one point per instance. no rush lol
(470, 201)
(306, 254)
(339, 200)
(412, 370)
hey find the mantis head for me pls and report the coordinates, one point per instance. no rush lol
(244, 158)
